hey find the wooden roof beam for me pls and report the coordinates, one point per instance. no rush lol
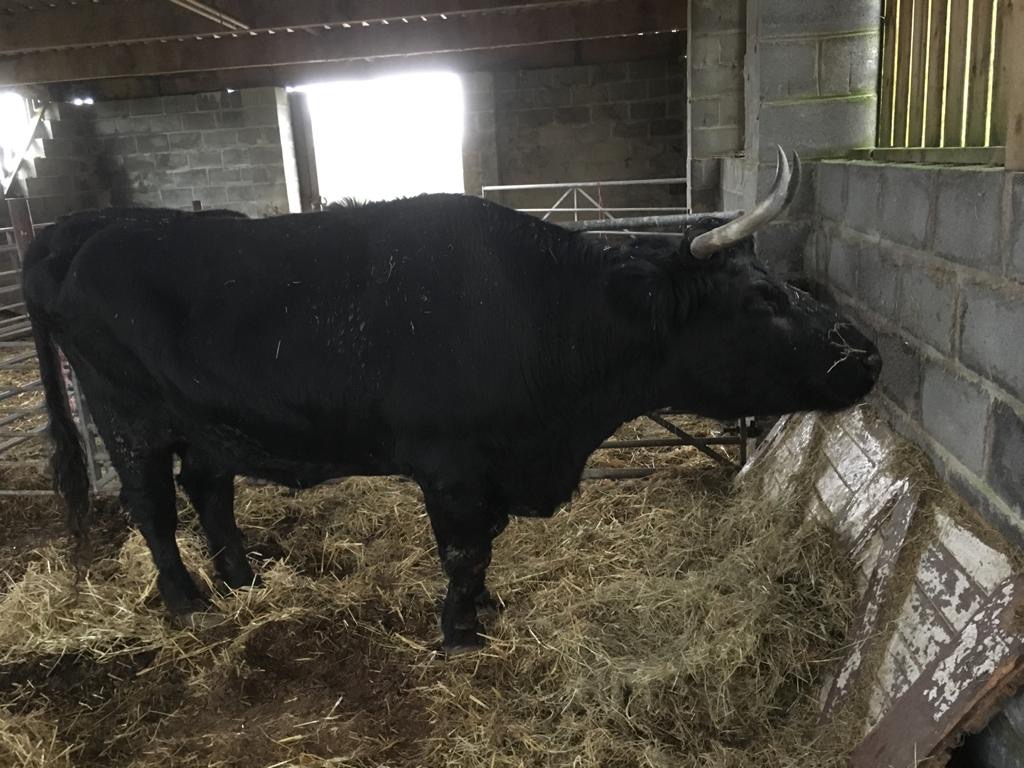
(595, 51)
(213, 14)
(90, 25)
(540, 24)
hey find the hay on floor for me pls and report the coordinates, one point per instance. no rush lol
(663, 622)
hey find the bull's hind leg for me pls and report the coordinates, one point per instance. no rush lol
(212, 493)
(147, 491)
(465, 529)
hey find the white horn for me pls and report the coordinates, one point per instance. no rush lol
(782, 192)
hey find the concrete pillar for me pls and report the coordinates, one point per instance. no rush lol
(715, 47)
(811, 85)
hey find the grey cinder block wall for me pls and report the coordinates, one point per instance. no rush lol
(716, 44)
(225, 149)
(620, 120)
(811, 78)
(931, 259)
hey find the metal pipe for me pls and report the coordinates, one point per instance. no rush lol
(7, 394)
(23, 414)
(631, 233)
(552, 209)
(17, 333)
(21, 223)
(14, 442)
(562, 185)
(660, 442)
(617, 473)
(33, 432)
(676, 220)
(689, 439)
(10, 362)
(600, 210)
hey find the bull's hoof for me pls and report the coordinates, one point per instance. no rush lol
(198, 620)
(458, 642)
(454, 648)
(488, 606)
(240, 579)
(181, 596)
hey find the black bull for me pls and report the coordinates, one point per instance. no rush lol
(477, 350)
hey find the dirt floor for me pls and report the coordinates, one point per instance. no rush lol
(662, 622)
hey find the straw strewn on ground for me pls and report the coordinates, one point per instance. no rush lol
(665, 622)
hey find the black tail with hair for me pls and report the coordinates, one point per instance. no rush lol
(70, 476)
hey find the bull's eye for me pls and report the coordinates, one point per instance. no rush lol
(766, 299)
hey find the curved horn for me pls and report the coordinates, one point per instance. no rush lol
(783, 190)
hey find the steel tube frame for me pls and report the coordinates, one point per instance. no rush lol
(669, 220)
(585, 184)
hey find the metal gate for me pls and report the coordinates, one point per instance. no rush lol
(23, 418)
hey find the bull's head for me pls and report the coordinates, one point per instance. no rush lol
(739, 340)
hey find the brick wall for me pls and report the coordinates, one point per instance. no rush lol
(931, 259)
(231, 150)
(582, 123)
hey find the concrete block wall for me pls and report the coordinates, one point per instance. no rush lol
(811, 81)
(228, 150)
(931, 260)
(479, 140)
(716, 44)
(612, 121)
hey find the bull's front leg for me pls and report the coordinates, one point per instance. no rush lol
(465, 530)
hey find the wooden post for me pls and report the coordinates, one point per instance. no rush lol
(305, 152)
(1013, 79)
(21, 222)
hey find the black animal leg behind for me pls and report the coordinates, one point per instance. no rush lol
(465, 530)
(212, 493)
(147, 490)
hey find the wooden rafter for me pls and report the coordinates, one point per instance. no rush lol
(596, 51)
(213, 14)
(529, 24)
(106, 23)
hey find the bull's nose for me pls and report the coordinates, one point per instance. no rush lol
(874, 363)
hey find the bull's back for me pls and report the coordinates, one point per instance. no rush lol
(314, 328)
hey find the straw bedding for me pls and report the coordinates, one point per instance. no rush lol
(671, 621)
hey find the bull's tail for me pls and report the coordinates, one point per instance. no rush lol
(70, 476)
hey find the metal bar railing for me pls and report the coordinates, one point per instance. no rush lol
(675, 220)
(585, 184)
(21, 414)
(578, 190)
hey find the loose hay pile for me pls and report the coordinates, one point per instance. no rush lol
(667, 622)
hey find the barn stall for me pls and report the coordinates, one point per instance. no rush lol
(850, 596)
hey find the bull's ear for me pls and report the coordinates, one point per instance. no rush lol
(641, 291)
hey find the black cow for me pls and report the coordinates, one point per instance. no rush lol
(477, 350)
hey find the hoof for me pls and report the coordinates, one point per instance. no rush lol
(452, 650)
(198, 620)
(458, 642)
(488, 606)
(241, 581)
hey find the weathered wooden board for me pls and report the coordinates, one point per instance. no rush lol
(937, 648)
(866, 629)
(958, 690)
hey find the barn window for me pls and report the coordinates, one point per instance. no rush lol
(388, 137)
(941, 86)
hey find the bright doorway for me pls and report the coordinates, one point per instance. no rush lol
(387, 137)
